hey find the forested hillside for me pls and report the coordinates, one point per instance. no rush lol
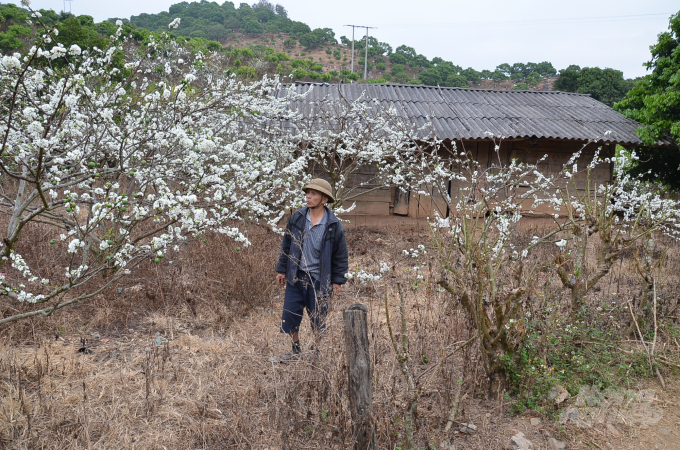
(261, 38)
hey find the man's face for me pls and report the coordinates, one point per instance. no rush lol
(315, 198)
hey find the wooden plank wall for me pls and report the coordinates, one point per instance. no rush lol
(371, 201)
(381, 202)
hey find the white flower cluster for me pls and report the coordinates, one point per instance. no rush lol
(362, 276)
(415, 253)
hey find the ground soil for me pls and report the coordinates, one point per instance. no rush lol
(115, 362)
(161, 365)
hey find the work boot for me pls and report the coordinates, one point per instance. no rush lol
(293, 355)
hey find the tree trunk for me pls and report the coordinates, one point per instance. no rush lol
(409, 426)
(493, 366)
(497, 384)
(578, 300)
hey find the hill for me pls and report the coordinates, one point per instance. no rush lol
(261, 39)
(266, 24)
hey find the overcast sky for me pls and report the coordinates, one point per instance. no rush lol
(481, 34)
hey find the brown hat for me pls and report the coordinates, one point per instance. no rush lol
(322, 186)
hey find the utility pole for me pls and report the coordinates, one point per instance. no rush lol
(351, 68)
(366, 52)
(366, 57)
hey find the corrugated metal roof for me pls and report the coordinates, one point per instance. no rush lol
(458, 113)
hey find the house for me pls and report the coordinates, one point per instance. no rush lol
(531, 123)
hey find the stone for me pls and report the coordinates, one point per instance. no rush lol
(591, 395)
(570, 414)
(613, 431)
(519, 442)
(467, 428)
(558, 394)
(554, 444)
(664, 431)
(535, 421)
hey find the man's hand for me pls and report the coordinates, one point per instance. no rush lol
(281, 280)
(337, 288)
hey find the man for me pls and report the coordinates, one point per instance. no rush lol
(312, 263)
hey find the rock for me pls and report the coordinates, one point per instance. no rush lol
(558, 394)
(664, 431)
(467, 428)
(535, 421)
(519, 442)
(569, 414)
(589, 396)
(554, 444)
(612, 431)
(609, 445)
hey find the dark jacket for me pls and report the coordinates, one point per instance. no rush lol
(333, 258)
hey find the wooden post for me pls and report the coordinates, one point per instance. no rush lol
(359, 373)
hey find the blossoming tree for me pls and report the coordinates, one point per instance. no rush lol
(481, 265)
(118, 155)
(617, 215)
(360, 145)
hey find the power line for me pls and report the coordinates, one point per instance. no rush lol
(570, 20)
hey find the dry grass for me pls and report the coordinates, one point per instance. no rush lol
(215, 313)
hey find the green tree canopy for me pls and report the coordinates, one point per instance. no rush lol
(14, 38)
(253, 27)
(471, 74)
(309, 40)
(568, 79)
(430, 77)
(605, 85)
(398, 58)
(545, 69)
(504, 68)
(456, 81)
(397, 68)
(654, 102)
(497, 76)
(408, 52)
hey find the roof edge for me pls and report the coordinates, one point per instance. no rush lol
(424, 86)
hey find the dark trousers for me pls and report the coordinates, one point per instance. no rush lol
(304, 294)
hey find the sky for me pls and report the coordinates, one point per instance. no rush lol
(481, 34)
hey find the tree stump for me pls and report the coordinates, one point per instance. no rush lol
(359, 374)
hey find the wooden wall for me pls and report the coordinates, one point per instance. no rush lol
(391, 202)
